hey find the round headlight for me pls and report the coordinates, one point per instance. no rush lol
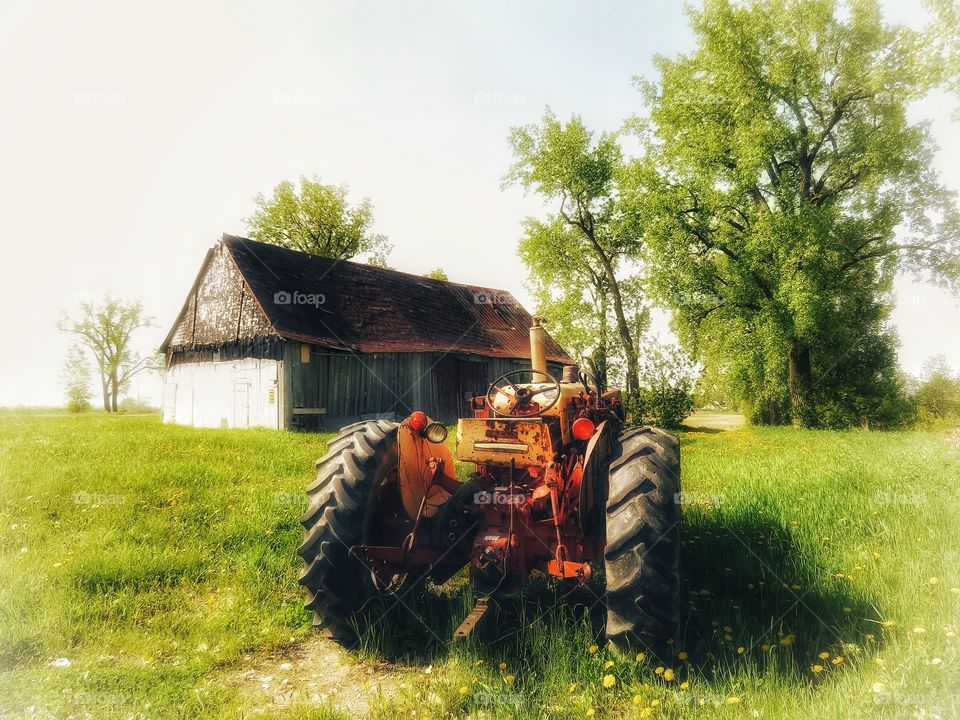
(435, 432)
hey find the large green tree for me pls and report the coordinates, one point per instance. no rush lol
(580, 254)
(784, 188)
(318, 219)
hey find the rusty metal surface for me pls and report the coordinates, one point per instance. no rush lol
(500, 440)
(369, 309)
(414, 452)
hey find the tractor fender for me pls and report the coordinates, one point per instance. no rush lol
(593, 486)
(414, 453)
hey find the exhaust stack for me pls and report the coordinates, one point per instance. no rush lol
(538, 347)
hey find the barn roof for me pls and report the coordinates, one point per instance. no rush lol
(363, 308)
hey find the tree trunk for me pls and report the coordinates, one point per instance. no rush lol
(105, 387)
(113, 391)
(623, 328)
(800, 378)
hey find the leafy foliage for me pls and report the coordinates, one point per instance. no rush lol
(938, 394)
(77, 376)
(784, 188)
(437, 274)
(665, 395)
(580, 255)
(106, 329)
(318, 220)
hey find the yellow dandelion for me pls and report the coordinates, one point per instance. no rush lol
(727, 628)
(870, 637)
(795, 587)
(609, 681)
(728, 637)
(837, 660)
(848, 610)
(478, 663)
(591, 712)
(816, 669)
(593, 651)
(888, 623)
(741, 650)
(464, 690)
(637, 699)
(641, 656)
(684, 685)
(503, 666)
(668, 675)
(934, 581)
(510, 678)
(659, 670)
(765, 647)
(654, 702)
(733, 700)
(573, 686)
(788, 640)
(682, 655)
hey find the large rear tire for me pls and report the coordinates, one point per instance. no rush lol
(342, 499)
(643, 541)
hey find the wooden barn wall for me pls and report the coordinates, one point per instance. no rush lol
(362, 386)
(221, 309)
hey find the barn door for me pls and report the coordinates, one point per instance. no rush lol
(241, 403)
(446, 387)
(473, 381)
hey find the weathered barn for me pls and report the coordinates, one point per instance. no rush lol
(276, 338)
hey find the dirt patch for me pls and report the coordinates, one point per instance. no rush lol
(316, 672)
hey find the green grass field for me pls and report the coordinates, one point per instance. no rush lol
(144, 567)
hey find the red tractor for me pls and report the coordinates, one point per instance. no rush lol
(561, 487)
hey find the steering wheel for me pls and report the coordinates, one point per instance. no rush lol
(521, 398)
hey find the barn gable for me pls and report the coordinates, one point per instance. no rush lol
(220, 309)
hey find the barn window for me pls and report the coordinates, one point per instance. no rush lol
(304, 353)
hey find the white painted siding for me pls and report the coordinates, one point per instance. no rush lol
(235, 393)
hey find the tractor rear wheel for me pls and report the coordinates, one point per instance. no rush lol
(643, 541)
(342, 501)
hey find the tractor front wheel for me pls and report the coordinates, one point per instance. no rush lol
(643, 541)
(342, 501)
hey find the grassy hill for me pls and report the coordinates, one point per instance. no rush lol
(146, 570)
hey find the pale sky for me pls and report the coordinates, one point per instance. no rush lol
(133, 135)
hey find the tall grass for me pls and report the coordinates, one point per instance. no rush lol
(157, 560)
